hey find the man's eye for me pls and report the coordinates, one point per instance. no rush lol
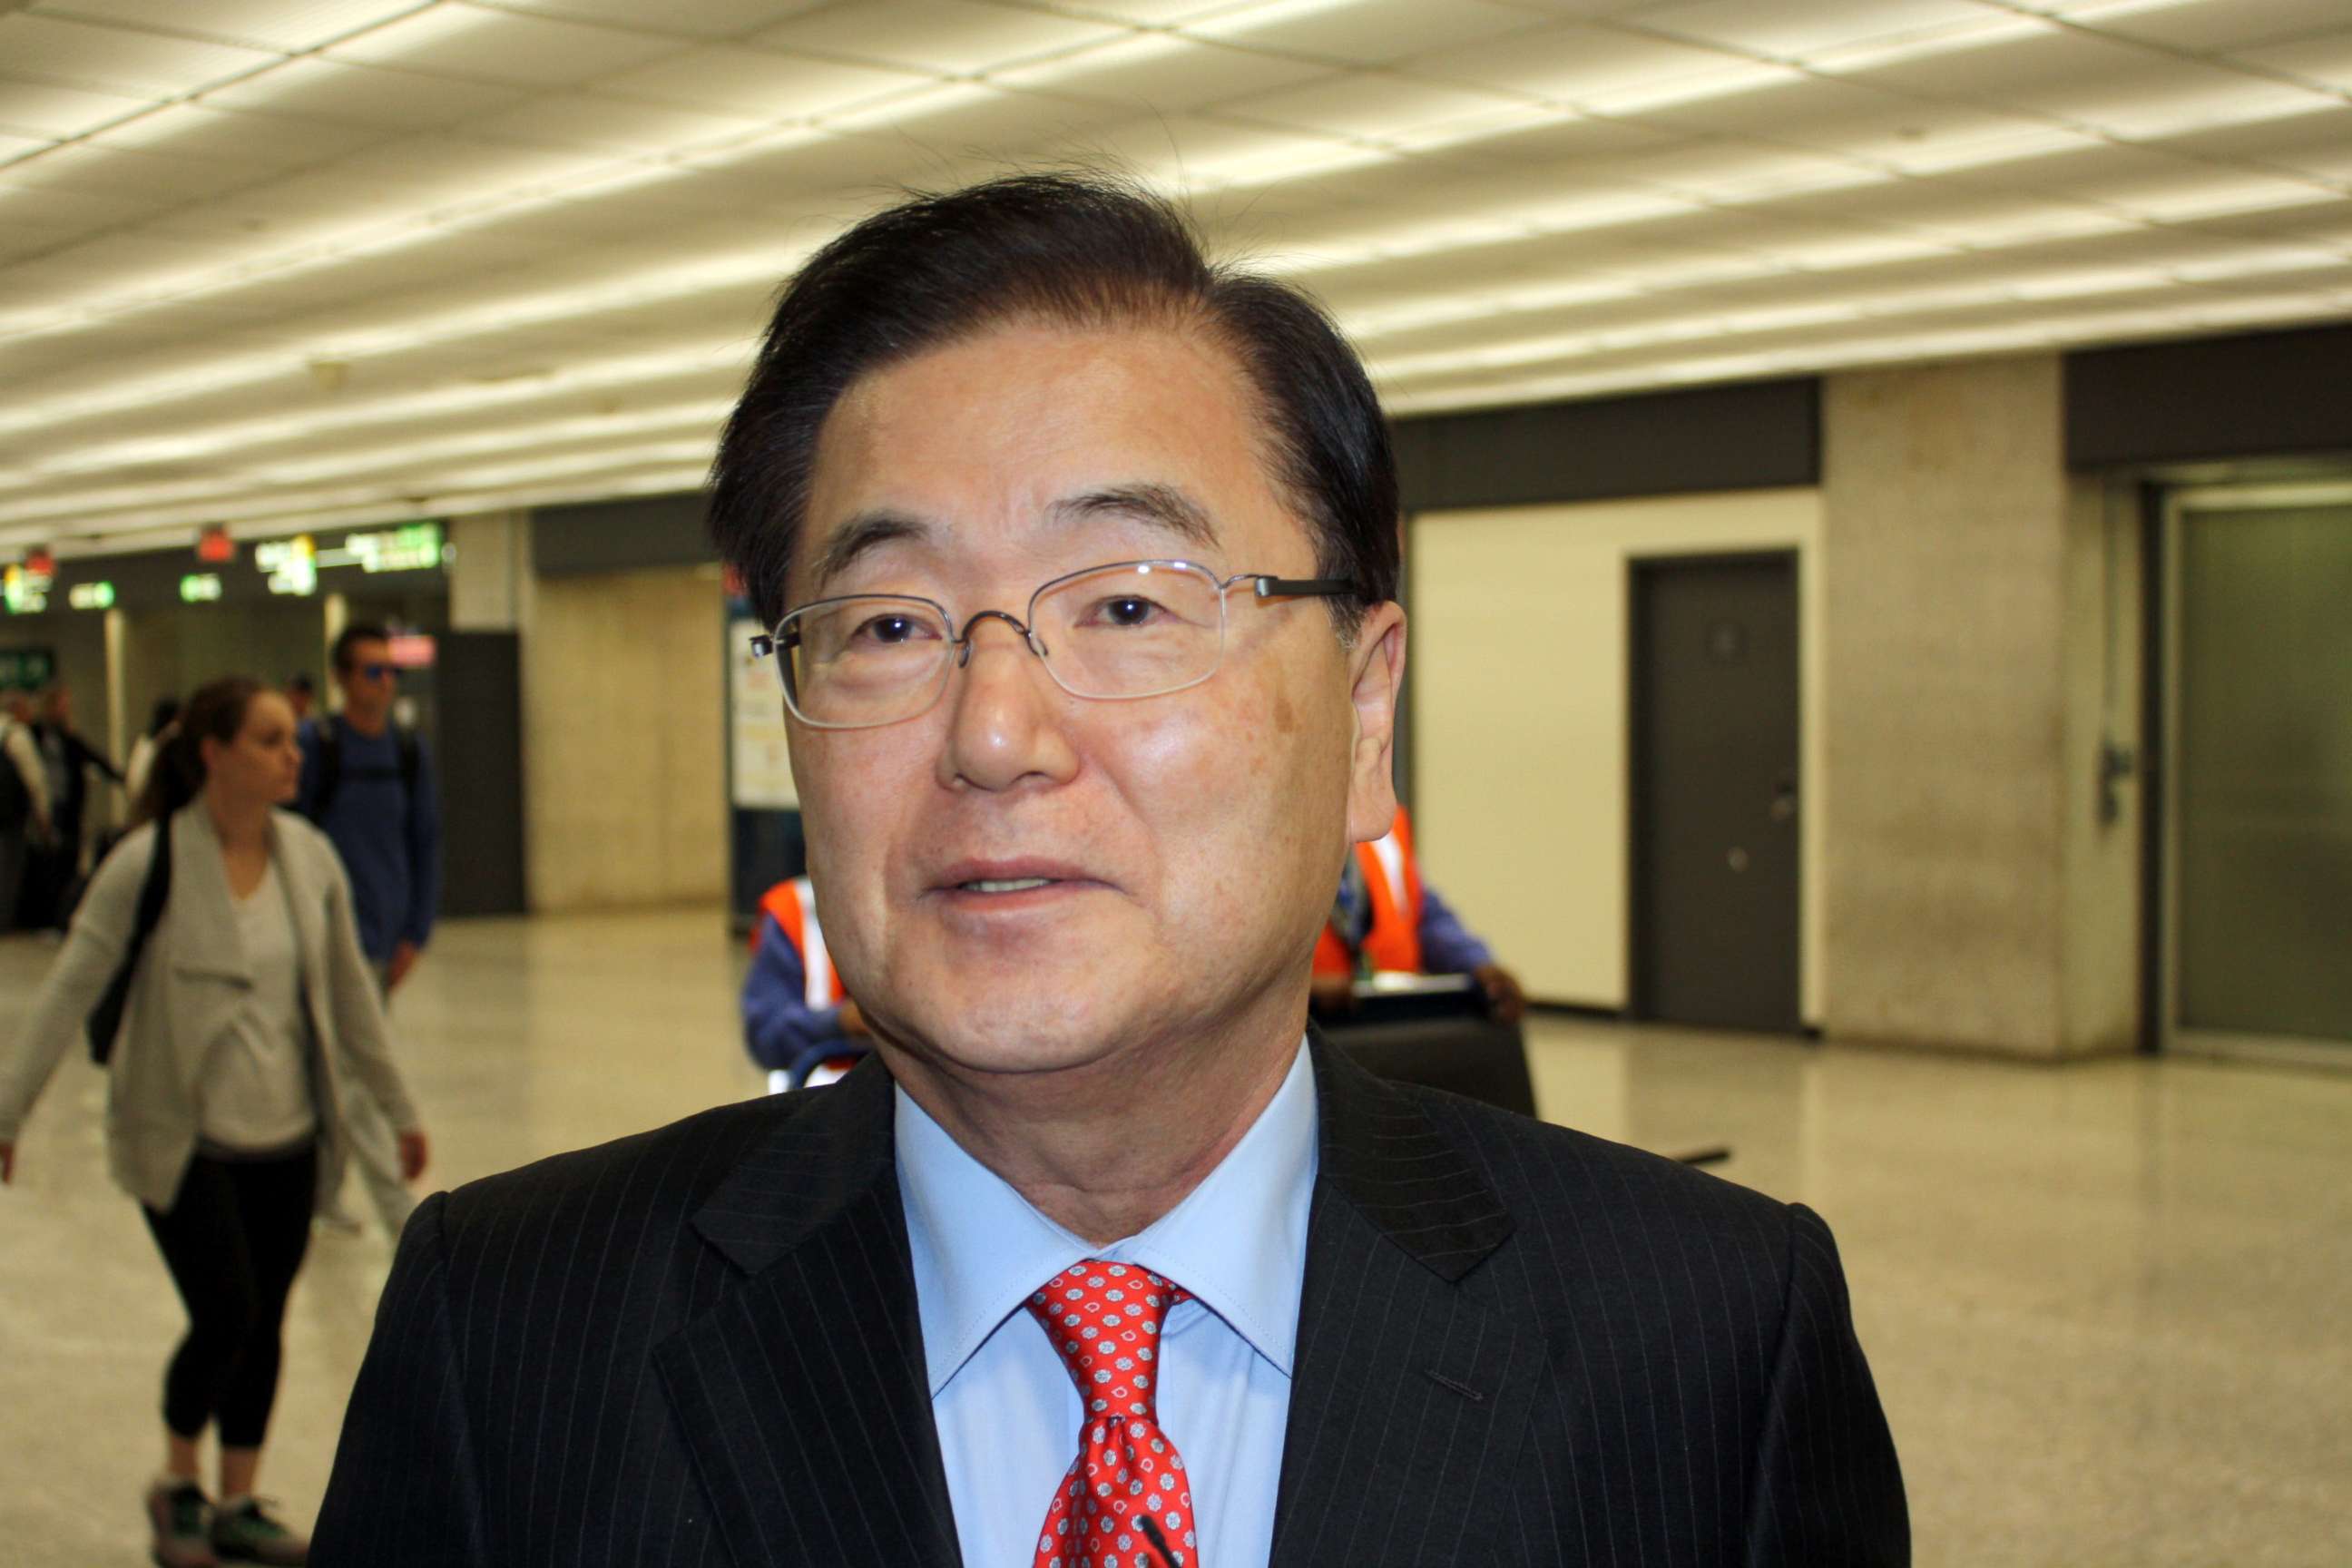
(889, 631)
(1125, 610)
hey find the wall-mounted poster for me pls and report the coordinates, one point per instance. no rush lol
(762, 778)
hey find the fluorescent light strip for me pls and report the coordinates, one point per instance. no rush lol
(729, 357)
(705, 415)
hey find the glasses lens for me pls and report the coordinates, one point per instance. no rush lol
(1135, 630)
(860, 661)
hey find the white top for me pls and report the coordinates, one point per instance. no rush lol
(255, 1088)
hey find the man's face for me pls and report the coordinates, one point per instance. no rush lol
(368, 680)
(1192, 840)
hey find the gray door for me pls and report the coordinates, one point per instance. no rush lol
(2262, 799)
(1714, 802)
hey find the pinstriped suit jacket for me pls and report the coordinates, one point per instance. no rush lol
(1517, 1345)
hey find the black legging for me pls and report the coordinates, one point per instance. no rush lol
(233, 1238)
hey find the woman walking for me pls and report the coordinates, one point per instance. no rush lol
(222, 1117)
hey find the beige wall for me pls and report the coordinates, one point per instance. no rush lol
(1972, 899)
(625, 780)
(1519, 658)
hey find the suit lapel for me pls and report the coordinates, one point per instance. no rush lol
(801, 1393)
(1404, 1393)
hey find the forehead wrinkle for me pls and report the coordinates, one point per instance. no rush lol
(1161, 506)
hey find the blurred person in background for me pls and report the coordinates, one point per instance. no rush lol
(243, 1000)
(24, 800)
(302, 692)
(794, 1003)
(53, 880)
(1386, 919)
(144, 750)
(368, 783)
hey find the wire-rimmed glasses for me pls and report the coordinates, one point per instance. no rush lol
(1112, 633)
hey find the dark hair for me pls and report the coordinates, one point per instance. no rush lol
(166, 708)
(351, 636)
(1078, 249)
(177, 776)
(300, 681)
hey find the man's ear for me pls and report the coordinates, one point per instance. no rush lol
(1376, 685)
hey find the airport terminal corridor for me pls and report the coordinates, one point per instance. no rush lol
(2102, 1302)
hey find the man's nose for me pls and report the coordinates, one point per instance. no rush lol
(1004, 715)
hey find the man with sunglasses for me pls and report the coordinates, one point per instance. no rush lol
(368, 783)
(1079, 555)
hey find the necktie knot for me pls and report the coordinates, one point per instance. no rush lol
(1103, 1319)
(1126, 1501)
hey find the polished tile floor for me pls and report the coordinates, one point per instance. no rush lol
(2106, 1303)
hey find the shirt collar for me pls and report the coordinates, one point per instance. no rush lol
(1237, 1242)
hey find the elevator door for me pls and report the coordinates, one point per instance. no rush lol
(1715, 852)
(2260, 807)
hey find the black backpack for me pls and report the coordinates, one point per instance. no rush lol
(106, 1019)
(330, 768)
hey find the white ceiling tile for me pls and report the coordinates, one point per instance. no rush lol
(2119, 89)
(1600, 70)
(1363, 104)
(108, 171)
(263, 141)
(1367, 33)
(947, 36)
(706, 19)
(1142, 13)
(2325, 59)
(46, 109)
(2313, 144)
(364, 95)
(277, 25)
(619, 126)
(117, 59)
(759, 82)
(2213, 26)
(1814, 31)
(498, 45)
(1161, 71)
(1913, 134)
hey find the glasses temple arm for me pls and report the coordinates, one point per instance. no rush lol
(1302, 587)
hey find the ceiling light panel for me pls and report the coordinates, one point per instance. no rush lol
(462, 41)
(1166, 73)
(1362, 32)
(1817, 32)
(52, 110)
(2325, 60)
(1601, 70)
(120, 59)
(2214, 27)
(615, 127)
(950, 37)
(365, 95)
(1361, 105)
(274, 25)
(772, 85)
(261, 143)
(712, 20)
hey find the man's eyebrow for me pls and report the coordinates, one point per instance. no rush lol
(1163, 506)
(866, 532)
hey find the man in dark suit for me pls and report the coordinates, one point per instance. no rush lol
(1081, 557)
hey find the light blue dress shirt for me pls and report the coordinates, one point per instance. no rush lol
(1006, 1410)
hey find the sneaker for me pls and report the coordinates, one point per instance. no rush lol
(245, 1535)
(181, 1517)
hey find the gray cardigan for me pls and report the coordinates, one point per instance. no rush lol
(191, 983)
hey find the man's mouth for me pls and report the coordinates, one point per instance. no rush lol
(1005, 885)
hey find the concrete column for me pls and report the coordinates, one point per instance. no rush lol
(1962, 868)
(490, 577)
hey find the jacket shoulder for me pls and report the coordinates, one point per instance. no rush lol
(1579, 1202)
(645, 1180)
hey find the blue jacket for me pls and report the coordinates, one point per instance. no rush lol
(391, 845)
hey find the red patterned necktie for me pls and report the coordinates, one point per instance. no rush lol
(1127, 1501)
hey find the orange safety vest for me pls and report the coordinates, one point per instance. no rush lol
(1393, 882)
(794, 906)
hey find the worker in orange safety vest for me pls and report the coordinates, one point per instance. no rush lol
(792, 999)
(1386, 918)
